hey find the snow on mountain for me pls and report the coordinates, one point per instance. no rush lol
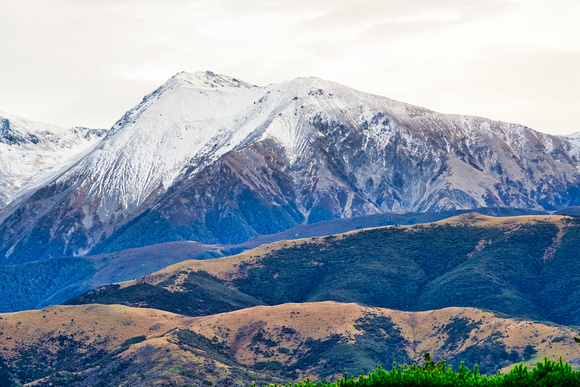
(191, 117)
(574, 142)
(211, 158)
(32, 152)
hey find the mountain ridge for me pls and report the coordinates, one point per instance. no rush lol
(209, 158)
(32, 153)
(517, 266)
(80, 345)
(37, 284)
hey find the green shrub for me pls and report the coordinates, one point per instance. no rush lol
(547, 373)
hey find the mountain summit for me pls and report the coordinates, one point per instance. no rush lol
(209, 80)
(210, 158)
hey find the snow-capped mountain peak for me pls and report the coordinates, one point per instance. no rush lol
(211, 158)
(208, 80)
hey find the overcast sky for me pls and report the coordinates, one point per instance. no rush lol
(85, 62)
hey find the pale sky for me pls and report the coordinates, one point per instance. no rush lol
(85, 62)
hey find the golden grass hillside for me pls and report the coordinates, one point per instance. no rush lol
(290, 326)
(283, 342)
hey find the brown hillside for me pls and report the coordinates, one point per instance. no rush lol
(84, 345)
(290, 341)
(423, 331)
(96, 326)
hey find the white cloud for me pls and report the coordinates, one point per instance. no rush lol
(82, 62)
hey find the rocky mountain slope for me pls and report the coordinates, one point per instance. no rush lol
(213, 159)
(117, 345)
(524, 266)
(32, 153)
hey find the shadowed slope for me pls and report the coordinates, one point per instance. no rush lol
(512, 265)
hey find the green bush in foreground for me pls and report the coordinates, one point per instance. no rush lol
(544, 374)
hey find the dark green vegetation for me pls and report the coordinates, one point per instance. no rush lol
(521, 269)
(37, 284)
(507, 270)
(203, 295)
(411, 269)
(6, 378)
(380, 339)
(489, 355)
(544, 374)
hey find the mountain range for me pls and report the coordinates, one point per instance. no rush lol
(224, 233)
(318, 307)
(213, 159)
